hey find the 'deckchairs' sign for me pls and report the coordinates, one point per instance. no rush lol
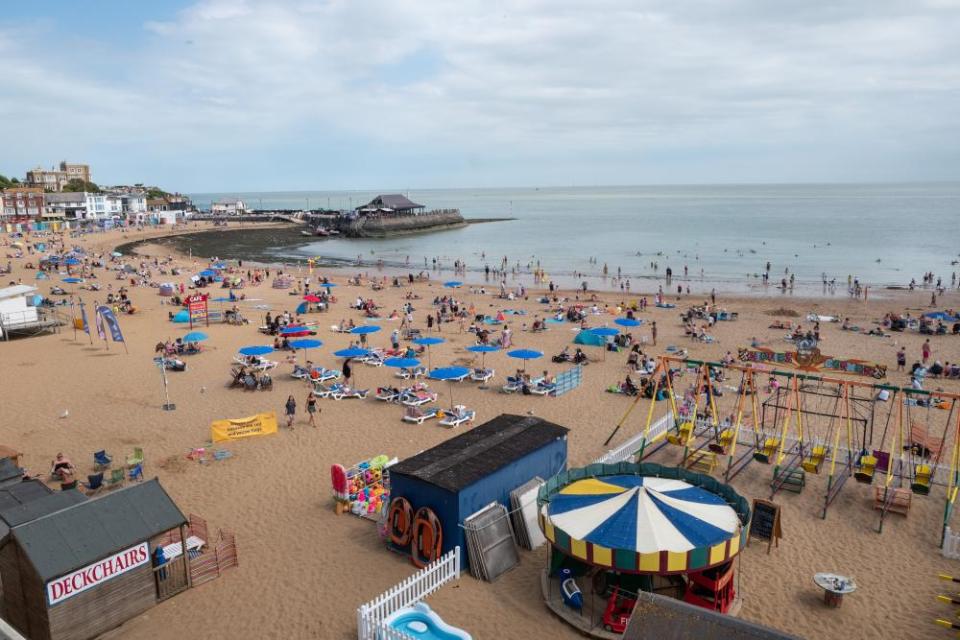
(97, 573)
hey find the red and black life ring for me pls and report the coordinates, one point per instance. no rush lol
(400, 522)
(427, 538)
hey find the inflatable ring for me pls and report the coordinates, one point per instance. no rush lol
(427, 538)
(400, 522)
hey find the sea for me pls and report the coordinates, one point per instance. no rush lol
(710, 236)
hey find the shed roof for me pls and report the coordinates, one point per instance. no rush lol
(475, 454)
(16, 291)
(394, 201)
(24, 501)
(83, 533)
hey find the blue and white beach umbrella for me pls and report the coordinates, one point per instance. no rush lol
(365, 330)
(352, 352)
(483, 350)
(195, 336)
(402, 363)
(525, 354)
(427, 342)
(453, 284)
(449, 374)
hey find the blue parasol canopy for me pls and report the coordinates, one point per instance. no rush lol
(483, 348)
(195, 336)
(327, 284)
(364, 330)
(627, 322)
(429, 340)
(453, 284)
(525, 354)
(73, 280)
(402, 363)
(256, 350)
(306, 343)
(449, 373)
(352, 352)
(289, 331)
(72, 262)
(604, 331)
(207, 273)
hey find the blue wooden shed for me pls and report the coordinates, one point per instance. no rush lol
(459, 477)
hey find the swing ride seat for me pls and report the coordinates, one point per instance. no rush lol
(867, 467)
(921, 479)
(892, 499)
(813, 462)
(769, 448)
(702, 462)
(722, 446)
(682, 436)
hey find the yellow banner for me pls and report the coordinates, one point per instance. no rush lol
(258, 425)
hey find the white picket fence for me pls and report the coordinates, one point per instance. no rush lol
(951, 545)
(371, 616)
(631, 446)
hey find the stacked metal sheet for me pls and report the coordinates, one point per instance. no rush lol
(523, 513)
(490, 546)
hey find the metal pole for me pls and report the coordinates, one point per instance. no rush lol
(167, 405)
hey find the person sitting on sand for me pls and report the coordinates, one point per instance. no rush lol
(60, 466)
(629, 387)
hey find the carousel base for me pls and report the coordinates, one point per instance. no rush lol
(589, 620)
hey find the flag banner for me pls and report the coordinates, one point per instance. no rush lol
(99, 321)
(83, 318)
(108, 316)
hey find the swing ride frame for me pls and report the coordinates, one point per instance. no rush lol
(851, 417)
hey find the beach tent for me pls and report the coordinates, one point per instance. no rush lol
(590, 339)
(181, 316)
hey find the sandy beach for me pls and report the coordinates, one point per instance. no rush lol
(304, 570)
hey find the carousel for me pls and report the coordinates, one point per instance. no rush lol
(622, 529)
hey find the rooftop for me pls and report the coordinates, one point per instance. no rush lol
(394, 201)
(475, 454)
(84, 532)
(17, 290)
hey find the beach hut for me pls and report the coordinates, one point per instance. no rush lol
(72, 568)
(457, 478)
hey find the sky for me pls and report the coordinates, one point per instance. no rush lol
(244, 95)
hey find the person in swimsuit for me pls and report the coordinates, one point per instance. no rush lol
(312, 409)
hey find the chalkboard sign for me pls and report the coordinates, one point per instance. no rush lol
(766, 522)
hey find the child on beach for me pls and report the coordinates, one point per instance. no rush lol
(312, 409)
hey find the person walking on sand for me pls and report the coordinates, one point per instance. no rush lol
(291, 411)
(312, 410)
(925, 351)
(653, 332)
(901, 359)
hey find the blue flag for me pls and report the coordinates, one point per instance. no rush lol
(106, 313)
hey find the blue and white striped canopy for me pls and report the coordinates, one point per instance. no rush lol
(642, 514)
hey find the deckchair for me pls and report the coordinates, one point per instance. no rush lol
(136, 472)
(136, 458)
(94, 483)
(101, 460)
(116, 478)
(417, 399)
(388, 394)
(457, 416)
(481, 375)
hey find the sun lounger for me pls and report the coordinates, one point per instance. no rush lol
(340, 391)
(418, 399)
(542, 389)
(321, 390)
(418, 414)
(388, 394)
(322, 375)
(513, 385)
(406, 374)
(481, 375)
(457, 416)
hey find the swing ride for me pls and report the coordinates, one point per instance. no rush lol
(805, 425)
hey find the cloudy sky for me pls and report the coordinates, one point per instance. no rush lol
(205, 95)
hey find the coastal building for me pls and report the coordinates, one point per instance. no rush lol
(132, 203)
(56, 179)
(22, 203)
(66, 206)
(228, 207)
(391, 204)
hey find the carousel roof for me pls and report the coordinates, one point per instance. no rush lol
(643, 523)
